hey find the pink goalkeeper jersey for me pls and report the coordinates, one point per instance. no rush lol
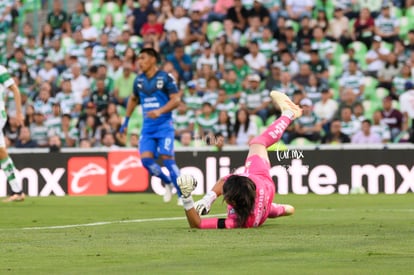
(257, 169)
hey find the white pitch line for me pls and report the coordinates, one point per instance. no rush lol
(110, 222)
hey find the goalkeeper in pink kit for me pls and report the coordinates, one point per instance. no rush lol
(249, 195)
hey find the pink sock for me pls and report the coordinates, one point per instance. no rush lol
(273, 133)
(276, 211)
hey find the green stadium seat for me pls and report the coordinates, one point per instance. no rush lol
(386, 45)
(119, 19)
(381, 92)
(66, 42)
(409, 12)
(396, 12)
(97, 19)
(32, 5)
(370, 87)
(214, 29)
(338, 51)
(258, 120)
(405, 25)
(110, 8)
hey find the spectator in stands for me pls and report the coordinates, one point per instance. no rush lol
(46, 36)
(68, 134)
(364, 27)
(123, 84)
(207, 58)
(380, 127)
(79, 82)
(168, 44)
(301, 79)
(390, 70)
(100, 97)
(77, 48)
(85, 143)
(186, 140)
(184, 119)
(387, 26)
(134, 138)
(287, 63)
(191, 98)
(48, 73)
(245, 127)
(326, 108)
(152, 27)
(26, 79)
(207, 120)
(89, 32)
(285, 86)
(347, 99)
(255, 59)
(17, 58)
(259, 10)
(376, 57)
(220, 9)
(226, 59)
(290, 38)
(39, 130)
(254, 29)
(305, 32)
(54, 143)
(407, 107)
(166, 10)
(57, 54)
(322, 44)
(352, 79)
(321, 20)
(88, 129)
(212, 90)
(297, 9)
(399, 81)
(400, 51)
(238, 14)
(335, 136)
(410, 42)
(178, 23)
(11, 129)
(255, 100)
(308, 125)
(303, 55)
(358, 111)
(110, 29)
(365, 135)
(43, 102)
(349, 125)
(273, 80)
(140, 15)
(182, 62)
(339, 28)
(69, 102)
(33, 53)
(224, 103)
(318, 66)
(22, 39)
(392, 117)
(202, 6)
(196, 28)
(224, 127)
(76, 17)
(25, 140)
(58, 18)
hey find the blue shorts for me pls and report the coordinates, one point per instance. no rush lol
(157, 145)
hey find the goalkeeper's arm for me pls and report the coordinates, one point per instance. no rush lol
(203, 206)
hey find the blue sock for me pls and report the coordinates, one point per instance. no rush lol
(174, 173)
(155, 170)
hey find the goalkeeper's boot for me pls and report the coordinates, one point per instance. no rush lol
(285, 104)
(289, 209)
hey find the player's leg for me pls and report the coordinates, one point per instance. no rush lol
(148, 148)
(290, 111)
(7, 165)
(166, 150)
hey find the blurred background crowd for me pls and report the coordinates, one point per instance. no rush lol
(348, 63)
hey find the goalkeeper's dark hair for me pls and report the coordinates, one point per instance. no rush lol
(151, 52)
(240, 192)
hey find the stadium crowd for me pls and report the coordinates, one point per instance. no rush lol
(348, 63)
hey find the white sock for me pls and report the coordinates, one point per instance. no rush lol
(9, 169)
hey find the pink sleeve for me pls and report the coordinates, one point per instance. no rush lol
(213, 223)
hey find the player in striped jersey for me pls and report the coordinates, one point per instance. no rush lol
(6, 163)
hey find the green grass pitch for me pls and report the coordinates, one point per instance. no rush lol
(139, 234)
